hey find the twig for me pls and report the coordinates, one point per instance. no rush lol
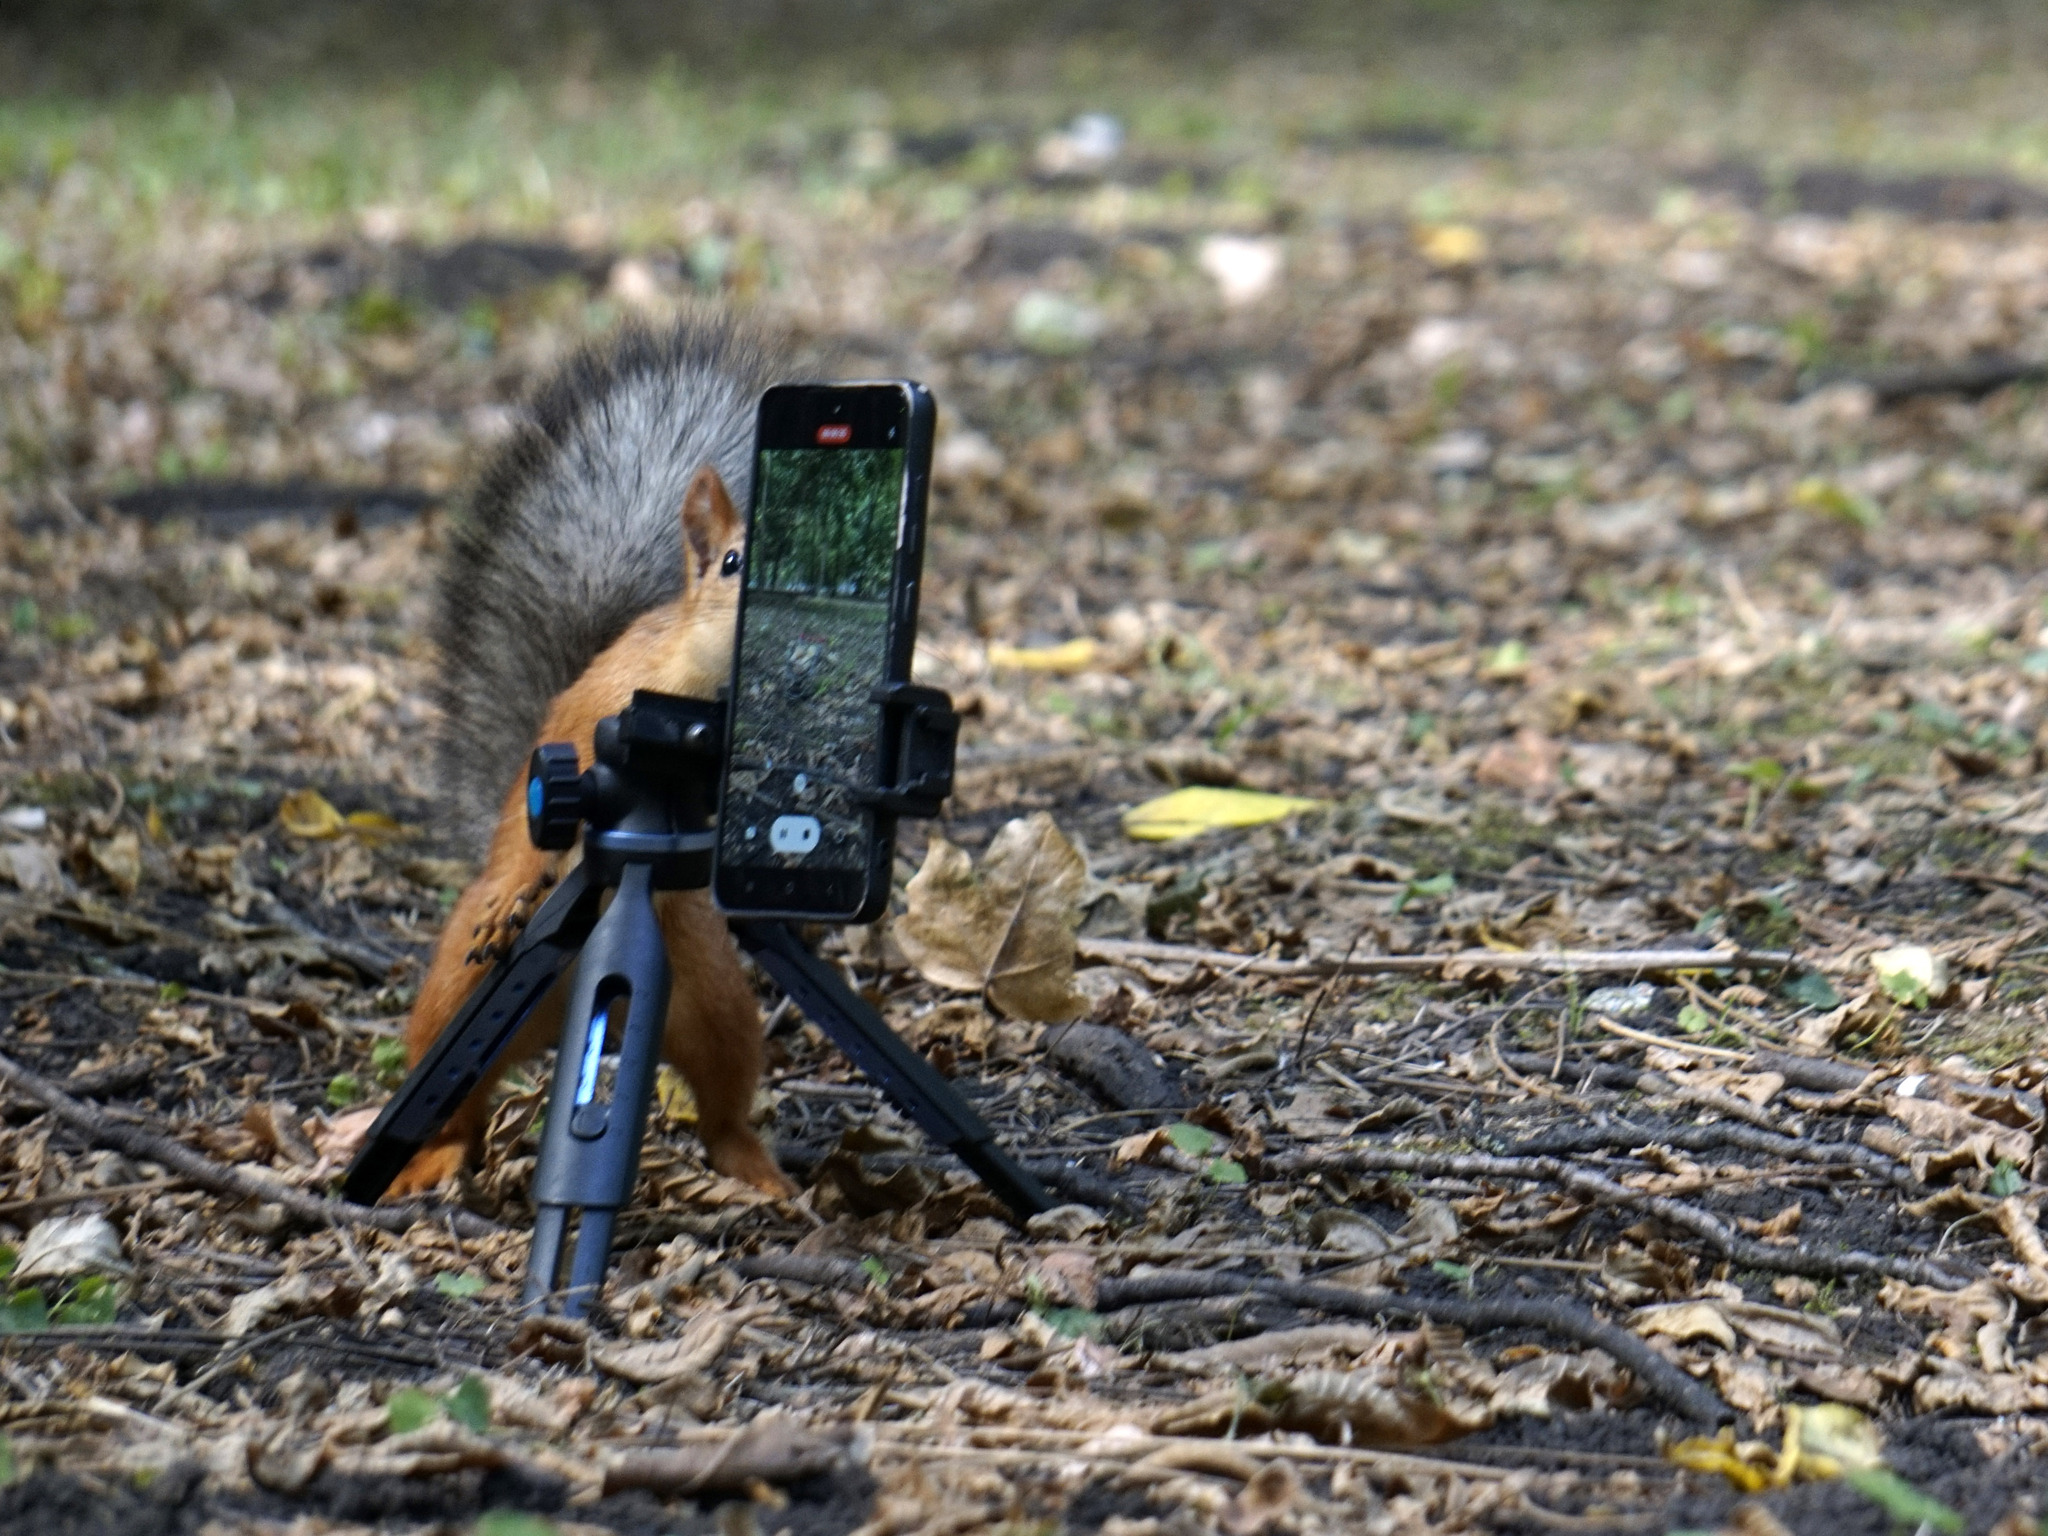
(1098, 1450)
(368, 963)
(804, 1269)
(127, 983)
(1322, 996)
(222, 1178)
(80, 1196)
(241, 1349)
(1707, 1138)
(1791, 1259)
(1554, 1315)
(1665, 1042)
(1552, 962)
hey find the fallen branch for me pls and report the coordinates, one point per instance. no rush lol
(1555, 1315)
(224, 1178)
(1553, 962)
(805, 1269)
(919, 1441)
(1626, 1134)
(771, 1449)
(1791, 1259)
(1977, 376)
(370, 964)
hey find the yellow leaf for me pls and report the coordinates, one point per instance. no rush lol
(1068, 657)
(376, 827)
(672, 1095)
(1721, 1454)
(1006, 929)
(1203, 808)
(1451, 245)
(1833, 1438)
(306, 813)
(1911, 974)
(153, 823)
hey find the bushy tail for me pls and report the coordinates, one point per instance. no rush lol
(572, 532)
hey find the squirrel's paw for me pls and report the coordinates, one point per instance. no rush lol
(434, 1164)
(501, 917)
(741, 1156)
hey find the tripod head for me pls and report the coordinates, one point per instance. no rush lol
(648, 797)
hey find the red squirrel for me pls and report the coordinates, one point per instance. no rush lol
(600, 553)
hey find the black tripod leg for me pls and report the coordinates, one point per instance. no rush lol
(907, 1078)
(590, 1150)
(475, 1038)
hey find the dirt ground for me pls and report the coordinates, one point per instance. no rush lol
(1629, 536)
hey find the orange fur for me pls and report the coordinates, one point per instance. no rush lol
(714, 1028)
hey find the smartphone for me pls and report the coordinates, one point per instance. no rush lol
(828, 612)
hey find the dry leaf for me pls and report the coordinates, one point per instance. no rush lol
(306, 813)
(1451, 245)
(59, 1247)
(1683, 1320)
(693, 1353)
(1063, 660)
(34, 867)
(1911, 974)
(119, 858)
(1206, 808)
(1007, 929)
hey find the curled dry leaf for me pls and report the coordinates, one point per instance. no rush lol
(1683, 1320)
(692, 1353)
(306, 813)
(59, 1247)
(1006, 929)
(294, 1296)
(119, 858)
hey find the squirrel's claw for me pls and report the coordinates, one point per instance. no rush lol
(504, 916)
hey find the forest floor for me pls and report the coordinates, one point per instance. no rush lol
(1627, 549)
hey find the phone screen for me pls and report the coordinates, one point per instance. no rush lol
(814, 640)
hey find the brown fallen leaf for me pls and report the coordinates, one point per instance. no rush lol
(119, 858)
(1683, 1320)
(1526, 763)
(1006, 929)
(692, 1353)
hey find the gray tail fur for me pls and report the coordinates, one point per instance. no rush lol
(573, 532)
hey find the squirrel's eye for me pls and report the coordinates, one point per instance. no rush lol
(732, 563)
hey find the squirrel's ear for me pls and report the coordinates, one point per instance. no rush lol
(709, 523)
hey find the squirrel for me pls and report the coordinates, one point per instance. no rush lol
(600, 553)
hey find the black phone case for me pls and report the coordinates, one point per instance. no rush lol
(902, 644)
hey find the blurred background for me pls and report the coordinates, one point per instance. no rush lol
(1553, 398)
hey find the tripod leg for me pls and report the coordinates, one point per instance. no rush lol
(593, 1256)
(590, 1151)
(544, 1261)
(909, 1080)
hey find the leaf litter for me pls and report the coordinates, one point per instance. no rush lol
(1590, 992)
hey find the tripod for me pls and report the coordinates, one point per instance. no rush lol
(644, 811)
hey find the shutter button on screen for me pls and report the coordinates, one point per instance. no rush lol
(794, 834)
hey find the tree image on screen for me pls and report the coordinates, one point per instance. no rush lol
(820, 558)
